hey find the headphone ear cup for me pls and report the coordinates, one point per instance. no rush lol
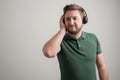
(64, 20)
(85, 20)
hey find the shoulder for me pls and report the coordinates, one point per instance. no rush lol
(89, 34)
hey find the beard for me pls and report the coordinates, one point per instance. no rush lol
(75, 31)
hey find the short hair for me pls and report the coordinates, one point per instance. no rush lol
(73, 7)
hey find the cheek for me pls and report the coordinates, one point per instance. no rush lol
(79, 23)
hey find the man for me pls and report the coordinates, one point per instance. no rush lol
(78, 52)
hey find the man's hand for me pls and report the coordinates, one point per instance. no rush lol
(62, 24)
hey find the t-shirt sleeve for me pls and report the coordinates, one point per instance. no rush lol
(98, 48)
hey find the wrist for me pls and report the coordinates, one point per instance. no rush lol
(62, 30)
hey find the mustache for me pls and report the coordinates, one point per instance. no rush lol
(71, 25)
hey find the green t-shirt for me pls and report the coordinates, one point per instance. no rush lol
(77, 58)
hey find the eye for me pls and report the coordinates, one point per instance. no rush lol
(67, 19)
(74, 18)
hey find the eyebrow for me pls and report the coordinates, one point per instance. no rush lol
(72, 17)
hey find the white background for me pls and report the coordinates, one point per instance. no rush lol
(25, 25)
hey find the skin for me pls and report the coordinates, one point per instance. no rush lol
(73, 24)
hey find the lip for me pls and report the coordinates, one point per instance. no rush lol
(71, 25)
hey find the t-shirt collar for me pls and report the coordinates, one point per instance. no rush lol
(83, 36)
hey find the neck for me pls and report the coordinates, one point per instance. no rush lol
(76, 36)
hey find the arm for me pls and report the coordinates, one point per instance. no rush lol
(101, 66)
(52, 47)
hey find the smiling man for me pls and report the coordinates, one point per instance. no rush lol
(78, 51)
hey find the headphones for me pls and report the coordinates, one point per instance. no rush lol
(85, 18)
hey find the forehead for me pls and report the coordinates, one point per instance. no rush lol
(73, 13)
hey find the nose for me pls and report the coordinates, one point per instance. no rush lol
(71, 21)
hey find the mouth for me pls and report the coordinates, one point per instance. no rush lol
(71, 26)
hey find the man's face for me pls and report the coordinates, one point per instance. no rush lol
(73, 21)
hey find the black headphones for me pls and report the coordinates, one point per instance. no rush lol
(85, 18)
